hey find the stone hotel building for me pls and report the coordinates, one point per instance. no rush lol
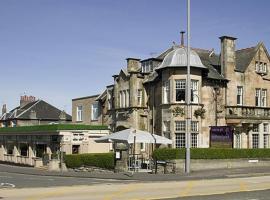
(227, 89)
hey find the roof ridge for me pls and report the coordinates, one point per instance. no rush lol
(29, 108)
(246, 48)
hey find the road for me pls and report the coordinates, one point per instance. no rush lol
(257, 195)
(116, 190)
(32, 181)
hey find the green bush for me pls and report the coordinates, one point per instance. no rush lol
(210, 153)
(102, 160)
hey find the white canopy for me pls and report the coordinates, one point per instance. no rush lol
(131, 135)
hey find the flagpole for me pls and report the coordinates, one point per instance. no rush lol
(189, 114)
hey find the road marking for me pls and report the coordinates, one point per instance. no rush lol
(187, 189)
(243, 186)
(47, 194)
(128, 188)
(7, 185)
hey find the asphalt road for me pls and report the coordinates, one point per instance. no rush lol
(256, 195)
(33, 181)
(244, 188)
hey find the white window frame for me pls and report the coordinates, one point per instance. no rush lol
(166, 126)
(79, 112)
(180, 140)
(127, 98)
(239, 95)
(195, 91)
(255, 140)
(124, 99)
(265, 140)
(139, 97)
(120, 99)
(166, 91)
(263, 97)
(194, 140)
(180, 126)
(180, 84)
(237, 140)
(257, 97)
(94, 111)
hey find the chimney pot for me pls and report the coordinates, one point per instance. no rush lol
(182, 38)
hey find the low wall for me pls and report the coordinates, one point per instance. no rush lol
(200, 164)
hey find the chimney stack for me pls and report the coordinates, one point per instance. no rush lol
(182, 38)
(133, 64)
(4, 109)
(26, 99)
(227, 56)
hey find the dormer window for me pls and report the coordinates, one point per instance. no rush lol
(261, 67)
(147, 66)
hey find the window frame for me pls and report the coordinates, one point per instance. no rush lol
(239, 96)
(79, 113)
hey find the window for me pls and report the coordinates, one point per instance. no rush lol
(255, 128)
(95, 111)
(260, 97)
(264, 96)
(180, 87)
(166, 91)
(266, 141)
(237, 143)
(123, 99)
(139, 97)
(239, 95)
(109, 100)
(257, 97)
(166, 126)
(265, 128)
(180, 126)
(194, 140)
(23, 149)
(261, 67)
(127, 98)
(180, 140)
(257, 66)
(195, 126)
(120, 99)
(264, 68)
(194, 91)
(79, 113)
(142, 146)
(255, 141)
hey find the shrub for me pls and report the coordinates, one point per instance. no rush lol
(102, 160)
(210, 153)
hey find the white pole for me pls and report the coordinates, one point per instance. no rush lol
(189, 114)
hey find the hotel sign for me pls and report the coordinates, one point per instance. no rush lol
(221, 137)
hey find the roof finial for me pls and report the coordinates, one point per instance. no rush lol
(182, 38)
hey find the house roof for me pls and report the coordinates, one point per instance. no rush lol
(42, 110)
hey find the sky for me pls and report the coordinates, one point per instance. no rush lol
(57, 50)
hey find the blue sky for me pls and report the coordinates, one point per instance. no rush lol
(57, 50)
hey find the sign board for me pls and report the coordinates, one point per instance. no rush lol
(221, 137)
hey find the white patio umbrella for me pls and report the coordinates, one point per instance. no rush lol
(130, 135)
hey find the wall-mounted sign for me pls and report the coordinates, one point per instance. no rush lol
(221, 137)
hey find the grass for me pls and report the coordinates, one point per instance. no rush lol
(52, 128)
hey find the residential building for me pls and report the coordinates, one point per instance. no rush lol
(34, 145)
(229, 89)
(32, 111)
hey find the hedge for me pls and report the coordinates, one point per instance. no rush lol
(102, 160)
(210, 153)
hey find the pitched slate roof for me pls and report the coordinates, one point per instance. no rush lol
(244, 57)
(211, 62)
(42, 110)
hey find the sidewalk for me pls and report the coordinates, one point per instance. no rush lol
(205, 174)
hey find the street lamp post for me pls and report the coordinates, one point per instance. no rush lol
(188, 96)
